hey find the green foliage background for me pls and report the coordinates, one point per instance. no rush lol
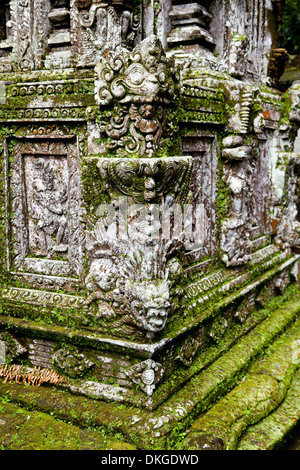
(289, 31)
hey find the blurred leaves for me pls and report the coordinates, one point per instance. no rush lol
(289, 30)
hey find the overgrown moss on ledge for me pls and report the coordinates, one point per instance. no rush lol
(165, 427)
(261, 391)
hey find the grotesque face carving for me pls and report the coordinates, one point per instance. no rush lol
(150, 303)
(102, 275)
(134, 288)
(142, 76)
(137, 85)
(142, 84)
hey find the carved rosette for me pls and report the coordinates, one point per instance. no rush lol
(133, 88)
(147, 374)
(73, 362)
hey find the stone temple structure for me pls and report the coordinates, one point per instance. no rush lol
(149, 204)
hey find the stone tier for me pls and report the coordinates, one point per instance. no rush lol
(257, 378)
(219, 306)
(190, 22)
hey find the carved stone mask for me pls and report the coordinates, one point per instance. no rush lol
(150, 303)
(142, 84)
(102, 275)
(141, 76)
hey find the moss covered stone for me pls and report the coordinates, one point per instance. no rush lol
(263, 361)
(261, 390)
(26, 430)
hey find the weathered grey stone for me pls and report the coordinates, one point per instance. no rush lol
(148, 178)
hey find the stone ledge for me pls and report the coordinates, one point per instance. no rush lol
(26, 430)
(163, 428)
(258, 394)
(269, 433)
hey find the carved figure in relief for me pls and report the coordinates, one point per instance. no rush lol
(104, 25)
(132, 281)
(48, 209)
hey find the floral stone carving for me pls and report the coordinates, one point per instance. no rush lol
(135, 87)
(73, 362)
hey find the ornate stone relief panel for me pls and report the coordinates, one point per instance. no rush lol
(43, 207)
(134, 88)
(24, 43)
(98, 25)
(132, 276)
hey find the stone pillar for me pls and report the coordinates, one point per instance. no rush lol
(190, 26)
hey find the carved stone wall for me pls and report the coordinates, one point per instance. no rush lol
(148, 186)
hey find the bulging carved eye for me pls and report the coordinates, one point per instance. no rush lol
(135, 74)
(162, 77)
(137, 78)
(137, 306)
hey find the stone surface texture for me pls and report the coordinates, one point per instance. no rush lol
(149, 224)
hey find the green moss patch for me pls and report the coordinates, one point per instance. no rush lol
(25, 430)
(259, 393)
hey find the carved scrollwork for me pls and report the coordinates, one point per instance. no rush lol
(135, 86)
(147, 180)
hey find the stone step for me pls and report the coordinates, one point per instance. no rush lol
(231, 423)
(269, 433)
(29, 430)
(244, 386)
(189, 11)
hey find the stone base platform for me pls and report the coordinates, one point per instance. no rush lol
(248, 398)
(221, 306)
